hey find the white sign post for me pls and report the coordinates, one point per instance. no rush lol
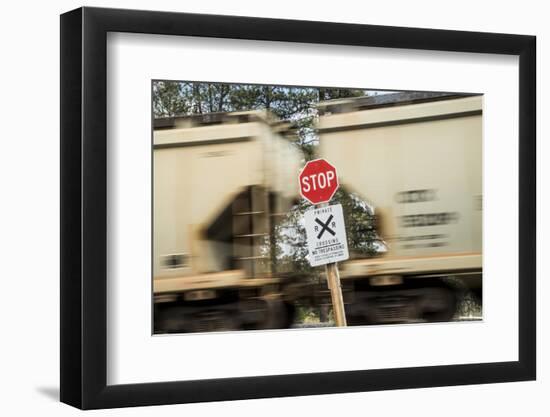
(326, 235)
(327, 244)
(325, 229)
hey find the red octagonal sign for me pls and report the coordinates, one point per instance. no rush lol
(318, 181)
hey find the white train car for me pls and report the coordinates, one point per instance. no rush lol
(220, 181)
(417, 159)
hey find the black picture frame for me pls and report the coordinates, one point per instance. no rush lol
(84, 207)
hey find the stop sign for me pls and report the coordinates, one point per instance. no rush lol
(318, 181)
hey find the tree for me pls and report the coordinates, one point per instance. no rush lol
(295, 105)
(168, 99)
(338, 93)
(363, 240)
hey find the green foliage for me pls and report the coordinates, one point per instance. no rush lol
(169, 99)
(336, 93)
(295, 105)
(290, 234)
(307, 315)
(363, 240)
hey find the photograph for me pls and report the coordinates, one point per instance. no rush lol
(299, 207)
(279, 205)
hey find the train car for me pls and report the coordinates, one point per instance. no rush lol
(221, 181)
(416, 158)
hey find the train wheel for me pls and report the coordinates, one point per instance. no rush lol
(277, 315)
(439, 305)
(356, 321)
(213, 320)
(357, 314)
(290, 315)
(169, 319)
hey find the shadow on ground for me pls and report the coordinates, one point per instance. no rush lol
(51, 392)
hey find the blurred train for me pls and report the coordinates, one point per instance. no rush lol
(416, 157)
(221, 181)
(224, 181)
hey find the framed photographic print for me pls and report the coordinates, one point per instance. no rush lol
(256, 208)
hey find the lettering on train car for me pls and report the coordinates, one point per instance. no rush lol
(429, 219)
(415, 196)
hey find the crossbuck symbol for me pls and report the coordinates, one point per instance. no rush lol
(325, 226)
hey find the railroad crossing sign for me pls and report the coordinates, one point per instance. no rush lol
(326, 235)
(325, 228)
(318, 181)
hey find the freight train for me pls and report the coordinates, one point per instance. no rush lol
(417, 159)
(224, 183)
